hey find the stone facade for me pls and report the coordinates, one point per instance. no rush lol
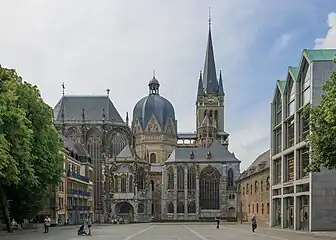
(253, 191)
(93, 122)
(127, 190)
(197, 183)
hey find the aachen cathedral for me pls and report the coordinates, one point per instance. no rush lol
(144, 169)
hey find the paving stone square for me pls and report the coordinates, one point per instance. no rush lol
(169, 231)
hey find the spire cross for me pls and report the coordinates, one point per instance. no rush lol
(209, 16)
(153, 73)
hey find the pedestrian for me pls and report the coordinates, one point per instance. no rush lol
(217, 219)
(47, 221)
(89, 223)
(254, 223)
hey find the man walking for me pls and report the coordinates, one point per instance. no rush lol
(254, 223)
(47, 221)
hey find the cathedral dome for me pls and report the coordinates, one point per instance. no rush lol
(155, 104)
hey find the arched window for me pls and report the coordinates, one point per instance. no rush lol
(130, 183)
(247, 188)
(205, 113)
(267, 208)
(191, 178)
(257, 208)
(152, 158)
(249, 208)
(170, 178)
(216, 117)
(123, 185)
(141, 208)
(116, 143)
(233, 196)
(192, 207)
(180, 178)
(116, 183)
(230, 177)
(140, 178)
(267, 184)
(256, 186)
(210, 116)
(180, 207)
(251, 190)
(170, 207)
(261, 186)
(262, 208)
(230, 196)
(209, 188)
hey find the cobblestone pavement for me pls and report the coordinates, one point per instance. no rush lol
(178, 231)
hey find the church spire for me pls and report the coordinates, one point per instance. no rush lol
(220, 84)
(210, 83)
(200, 91)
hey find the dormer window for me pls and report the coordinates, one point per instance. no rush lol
(208, 155)
(191, 155)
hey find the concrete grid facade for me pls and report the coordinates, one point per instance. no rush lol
(299, 200)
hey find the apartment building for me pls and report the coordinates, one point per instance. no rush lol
(75, 198)
(299, 200)
(253, 190)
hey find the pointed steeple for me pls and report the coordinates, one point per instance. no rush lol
(220, 84)
(200, 91)
(210, 83)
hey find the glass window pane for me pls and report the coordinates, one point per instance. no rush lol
(306, 96)
(291, 108)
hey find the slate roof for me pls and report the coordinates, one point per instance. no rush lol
(93, 106)
(76, 148)
(261, 163)
(186, 135)
(126, 153)
(219, 154)
(208, 83)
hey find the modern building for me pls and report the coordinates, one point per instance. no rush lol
(94, 122)
(298, 199)
(254, 189)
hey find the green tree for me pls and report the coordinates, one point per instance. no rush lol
(322, 123)
(30, 153)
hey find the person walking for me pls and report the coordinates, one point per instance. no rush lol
(254, 223)
(47, 221)
(89, 223)
(217, 219)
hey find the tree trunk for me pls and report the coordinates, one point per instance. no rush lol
(4, 208)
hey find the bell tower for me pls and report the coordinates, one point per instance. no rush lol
(210, 100)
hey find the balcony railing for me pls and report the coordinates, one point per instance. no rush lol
(78, 192)
(78, 176)
(79, 208)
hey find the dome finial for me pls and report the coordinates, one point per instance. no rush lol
(154, 85)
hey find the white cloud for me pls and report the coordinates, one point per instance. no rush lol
(329, 41)
(282, 42)
(93, 45)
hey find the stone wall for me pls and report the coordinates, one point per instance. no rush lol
(258, 198)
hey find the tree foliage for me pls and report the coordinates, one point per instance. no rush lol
(322, 123)
(30, 152)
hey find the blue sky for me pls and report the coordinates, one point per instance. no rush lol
(92, 46)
